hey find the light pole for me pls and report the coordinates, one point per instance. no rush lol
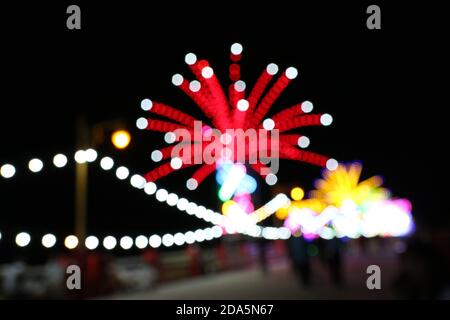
(81, 181)
(86, 137)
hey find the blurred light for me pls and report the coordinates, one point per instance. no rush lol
(106, 163)
(191, 184)
(172, 199)
(232, 181)
(270, 233)
(161, 195)
(146, 105)
(182, 204)
(71, 242)
(190, 58)
(268, 124)
(303, 142)
(326, 233)
(156, 156)
(387, 218)
(271, 179)
(141, 123)
(191, 208)
(291, 73)
(177, 79)
(227, 205)
(307, 106)
(189, 237)
(272, 69)
(122, 173)
(176, 163)
(170, 137)
(207, 72)
(236, 48)
(195, 86)
(141, 242)
(155, 241)
(35, 165)
(7, 171)
(279, 201)
(23, 239)
(167, 240)
(297, 193)
(121, 139)
(126, 242)
(242, 105)
(284, 233)
(199, 235)
(217, 231)
(239, 86)
(343, 183)
(80, 156)
(179, 239)
(282, 213)
(297, 218)
(229, 229)
(326, 119)
(200, 212)
(208, 234)
(332, 164)
(150, 188)
(91, 155)
(59, 160)
(91, 242)
(48, 240)
(138, 181)
(109, 242)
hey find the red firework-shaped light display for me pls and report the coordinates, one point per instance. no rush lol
(237, 110)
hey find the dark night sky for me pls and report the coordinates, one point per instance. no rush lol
(383, 88)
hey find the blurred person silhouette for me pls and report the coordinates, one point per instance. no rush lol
(333, 250)
(298, 253)
(263, 245)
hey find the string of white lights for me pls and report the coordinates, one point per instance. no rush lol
(49, 240)
(225, 224)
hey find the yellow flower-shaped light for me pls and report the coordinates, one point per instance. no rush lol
(343, 184)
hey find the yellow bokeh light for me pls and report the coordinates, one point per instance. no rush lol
(282, 213)
(297, 193)
(226, 206)
(121, 139)
(344, 184)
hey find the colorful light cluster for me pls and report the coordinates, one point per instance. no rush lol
(235, 109)
(341, 206)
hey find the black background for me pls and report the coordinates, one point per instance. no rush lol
(385, 89)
